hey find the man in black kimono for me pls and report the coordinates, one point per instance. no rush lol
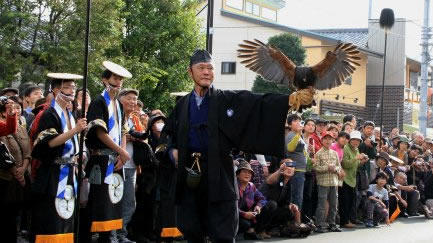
(106, 142)
(54, 188)
(207, 124)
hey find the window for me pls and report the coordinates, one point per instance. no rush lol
(348, 81)
(252, 8)
(249, 7)
(228, 67)
(238, 4)
(269, 14)
(256, 9)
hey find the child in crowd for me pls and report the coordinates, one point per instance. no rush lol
(377, 204)
(327, 167)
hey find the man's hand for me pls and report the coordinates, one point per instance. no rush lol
(80, 125)
(341, 174)
(293, 207)
(367, 142)
(175, 154)
(119, 164)
(124, 156)
(250, 215)
(9, 108)
(20, 171)
(360, 156)
(257, 209)
(265, 171)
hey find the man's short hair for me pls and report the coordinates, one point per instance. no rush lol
(344, 134)
(322, 121)
(368, 123)
(382, 175)
(416, 147)
(293, 117)
(309, 120)
(348, 118)
(400, 174)
(30, 89)
(106, 74)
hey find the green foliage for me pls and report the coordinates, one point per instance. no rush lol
(151, 38)
(291, 46)
(162, 33)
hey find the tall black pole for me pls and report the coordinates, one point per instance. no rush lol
(383, 87)
(83, 115)
(209, 28)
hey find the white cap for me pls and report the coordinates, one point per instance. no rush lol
(64, 76)
(116, 69)
(355, 135)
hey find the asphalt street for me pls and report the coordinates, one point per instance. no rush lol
(408, 230)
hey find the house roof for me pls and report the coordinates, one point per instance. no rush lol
(358, 37)
(328, 38)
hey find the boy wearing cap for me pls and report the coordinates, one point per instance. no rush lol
(54, 187)
(231, 119)
(328, 169)
(106, 142)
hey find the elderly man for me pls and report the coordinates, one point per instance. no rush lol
(203, 128)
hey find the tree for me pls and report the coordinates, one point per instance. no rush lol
(40, 36)
(151, 38)
(162, 33)
(291, 46)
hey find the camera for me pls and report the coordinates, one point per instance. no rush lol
(290, 164)
(3, 100)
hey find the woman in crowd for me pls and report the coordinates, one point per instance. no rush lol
(402, 149)
(12, 180)
(78, 102)
(254, 213)
(352, 159)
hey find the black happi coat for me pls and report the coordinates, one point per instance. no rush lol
(101, 209)
(236, 119)
(45, 220)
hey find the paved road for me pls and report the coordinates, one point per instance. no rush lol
(409, 230)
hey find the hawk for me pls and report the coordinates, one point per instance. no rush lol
(274, 66)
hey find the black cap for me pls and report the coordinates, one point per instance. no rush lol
(200, 56)
(126, 91)
(321, 121)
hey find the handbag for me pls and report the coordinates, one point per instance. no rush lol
(194, 175)
(7, 161)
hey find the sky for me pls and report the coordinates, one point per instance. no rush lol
(323, 14)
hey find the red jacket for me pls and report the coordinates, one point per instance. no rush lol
(317, 142)
(10, 126)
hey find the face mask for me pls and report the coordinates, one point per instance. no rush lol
(115, 89)
(159, 126)
(64, 97)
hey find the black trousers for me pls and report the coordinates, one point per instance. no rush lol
(8, 212)
(393, 205)
(309, 203)
(346, 202)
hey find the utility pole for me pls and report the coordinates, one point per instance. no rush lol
(370, 5)
(209, 29)
(425, 60)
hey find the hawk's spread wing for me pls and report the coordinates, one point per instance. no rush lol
(269, 62)
(337, 66)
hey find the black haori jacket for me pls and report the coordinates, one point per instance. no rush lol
(253, 123)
